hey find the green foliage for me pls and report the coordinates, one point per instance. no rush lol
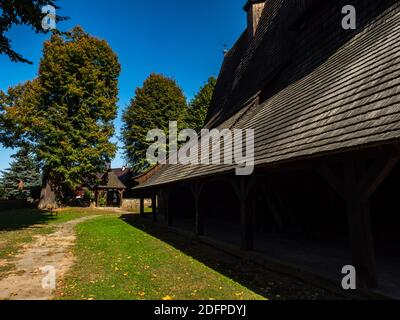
(17, 12)
(158, 102)
(102, 200)
(16, 110)
(67, 113)
(24, 169)
(89, 196)
(2, 192)
(198, 107)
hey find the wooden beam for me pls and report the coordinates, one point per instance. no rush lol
(358, 185)
(154, 206)
(375, 175)
(161, 203)
(266, 191)
(362, 244)
(242, 187)
(142, 205)
(167, 212)
(334, 181)
(196, 189)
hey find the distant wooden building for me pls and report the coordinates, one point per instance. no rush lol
(325, 106)
(115, 185)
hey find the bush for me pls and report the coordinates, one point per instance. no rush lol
(102, 200)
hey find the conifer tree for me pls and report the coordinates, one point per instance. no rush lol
(22, 181)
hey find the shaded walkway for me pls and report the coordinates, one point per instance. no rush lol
(320, 262)
(256, 277)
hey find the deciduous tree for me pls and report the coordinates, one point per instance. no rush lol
(198, 107)
(21, 12)
(67, 113)
(158, 102)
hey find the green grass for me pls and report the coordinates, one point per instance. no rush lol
(19, 227)
(117, 261)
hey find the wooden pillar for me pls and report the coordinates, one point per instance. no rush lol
(362, 244)
(242, 186)
(247, 242)
(356, 188)
(196, 189)
(255, 209)
(272, 208)
(142, 205)
(168, 212)
(165, 206)
(154, 206)
(161, 203)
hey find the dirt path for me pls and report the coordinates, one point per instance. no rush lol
(52, 251)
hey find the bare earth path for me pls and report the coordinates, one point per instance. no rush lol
(25, 282)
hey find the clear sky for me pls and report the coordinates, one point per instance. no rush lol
(183, 39)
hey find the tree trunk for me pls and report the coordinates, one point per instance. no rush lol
(47, 197)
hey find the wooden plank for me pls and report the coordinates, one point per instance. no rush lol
(362, 245)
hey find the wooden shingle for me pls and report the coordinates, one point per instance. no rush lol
(327, 90)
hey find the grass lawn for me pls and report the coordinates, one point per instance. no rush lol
(115, 260)
(129, 258)
(18, 227)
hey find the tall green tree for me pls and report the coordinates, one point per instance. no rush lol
(2, 192)
(198, 107)
(67, 113)
(158, 102)
(21, 12)
(22, 181)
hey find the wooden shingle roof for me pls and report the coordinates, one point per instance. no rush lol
(111, 181)
(322, 89)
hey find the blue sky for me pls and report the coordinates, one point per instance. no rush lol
(183, 39)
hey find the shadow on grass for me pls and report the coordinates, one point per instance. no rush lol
(255, 277)
(11, 220)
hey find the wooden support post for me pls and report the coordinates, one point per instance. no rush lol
(165, 193)
(160, 203)
(168, 212)
(356, 191)
(254, 212)
(142, 205)
(242, 186)
(272, 208)
(362, 244)
(154, 206)
(196, 189)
